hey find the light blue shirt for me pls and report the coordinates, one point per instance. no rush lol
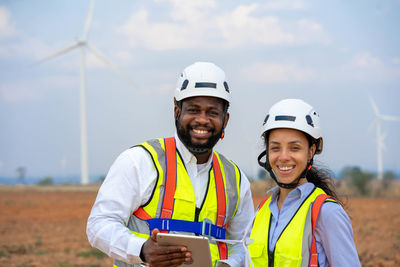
(333, 232)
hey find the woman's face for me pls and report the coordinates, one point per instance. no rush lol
(288, 151)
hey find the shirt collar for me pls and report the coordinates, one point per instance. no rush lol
(186, 155)
(301, 191)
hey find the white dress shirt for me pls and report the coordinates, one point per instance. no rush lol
(129, 184)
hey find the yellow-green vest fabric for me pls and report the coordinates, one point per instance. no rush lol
(293, 246)
(184, 198)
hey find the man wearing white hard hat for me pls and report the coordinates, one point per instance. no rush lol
(177, 184)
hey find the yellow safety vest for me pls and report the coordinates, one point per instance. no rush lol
(184, 202)
(294, 244)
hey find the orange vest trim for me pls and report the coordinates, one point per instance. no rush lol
(221, 202)
(142, 214)
(316, 207)
(170, 183)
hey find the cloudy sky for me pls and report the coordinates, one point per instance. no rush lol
(332, 54)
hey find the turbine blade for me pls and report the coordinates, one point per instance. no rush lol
(59, 52)
(107, 62)
(374, 106)
(88, 21)
(390, 118)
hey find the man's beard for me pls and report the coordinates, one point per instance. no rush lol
(196, 149)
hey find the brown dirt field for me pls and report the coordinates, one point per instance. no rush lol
(45, 226)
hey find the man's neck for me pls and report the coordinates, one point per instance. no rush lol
(202, 158)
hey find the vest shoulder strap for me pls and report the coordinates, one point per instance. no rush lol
(170, 183)
(262, 203)
(316, 208)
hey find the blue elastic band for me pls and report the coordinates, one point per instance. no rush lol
(205, 228)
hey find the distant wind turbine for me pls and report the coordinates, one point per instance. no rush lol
(380, 137)
(83, 45)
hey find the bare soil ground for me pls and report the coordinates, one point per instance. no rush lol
(45, 226)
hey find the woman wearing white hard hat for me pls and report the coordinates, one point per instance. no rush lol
(302, 223)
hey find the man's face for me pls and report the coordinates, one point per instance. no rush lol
(200, 122)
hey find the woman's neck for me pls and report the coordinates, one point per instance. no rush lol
(284, 192)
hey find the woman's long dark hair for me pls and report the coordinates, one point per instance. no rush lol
(322, 178)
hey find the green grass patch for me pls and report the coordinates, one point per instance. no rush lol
(41, 252)
(4, 254)
(93, 252)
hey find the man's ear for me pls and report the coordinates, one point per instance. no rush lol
(177, 112)
(226, 119)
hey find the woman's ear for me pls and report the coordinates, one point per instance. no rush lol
(311, 151)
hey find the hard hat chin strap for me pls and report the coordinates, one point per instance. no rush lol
(268, 167)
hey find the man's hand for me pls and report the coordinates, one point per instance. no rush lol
(160, 256)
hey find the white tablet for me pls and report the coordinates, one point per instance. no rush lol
(198, 245)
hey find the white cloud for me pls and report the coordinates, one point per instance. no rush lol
(396, 60)
(365, 60)
(266, 72)
(366, 67)
(202, 24)
(285, 5)
(239, 27)
(191, 11)
(158, 36)
(7, 28)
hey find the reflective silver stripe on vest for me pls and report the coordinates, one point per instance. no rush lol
(123, 264)
(307, 238)
(231, 187)
(155, 143)
(135, 223)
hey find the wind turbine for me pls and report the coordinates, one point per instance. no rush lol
(379, 135)
(83, 44)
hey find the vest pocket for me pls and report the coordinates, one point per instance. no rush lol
(286, 260)
(185, 206)
(181, 195)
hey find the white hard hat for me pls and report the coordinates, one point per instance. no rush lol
(202, 79)
(294, 114)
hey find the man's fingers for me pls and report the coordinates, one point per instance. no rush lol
(171, 259)
(154, 234)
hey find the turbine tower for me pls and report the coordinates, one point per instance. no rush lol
(379, 135)
(83, 44)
